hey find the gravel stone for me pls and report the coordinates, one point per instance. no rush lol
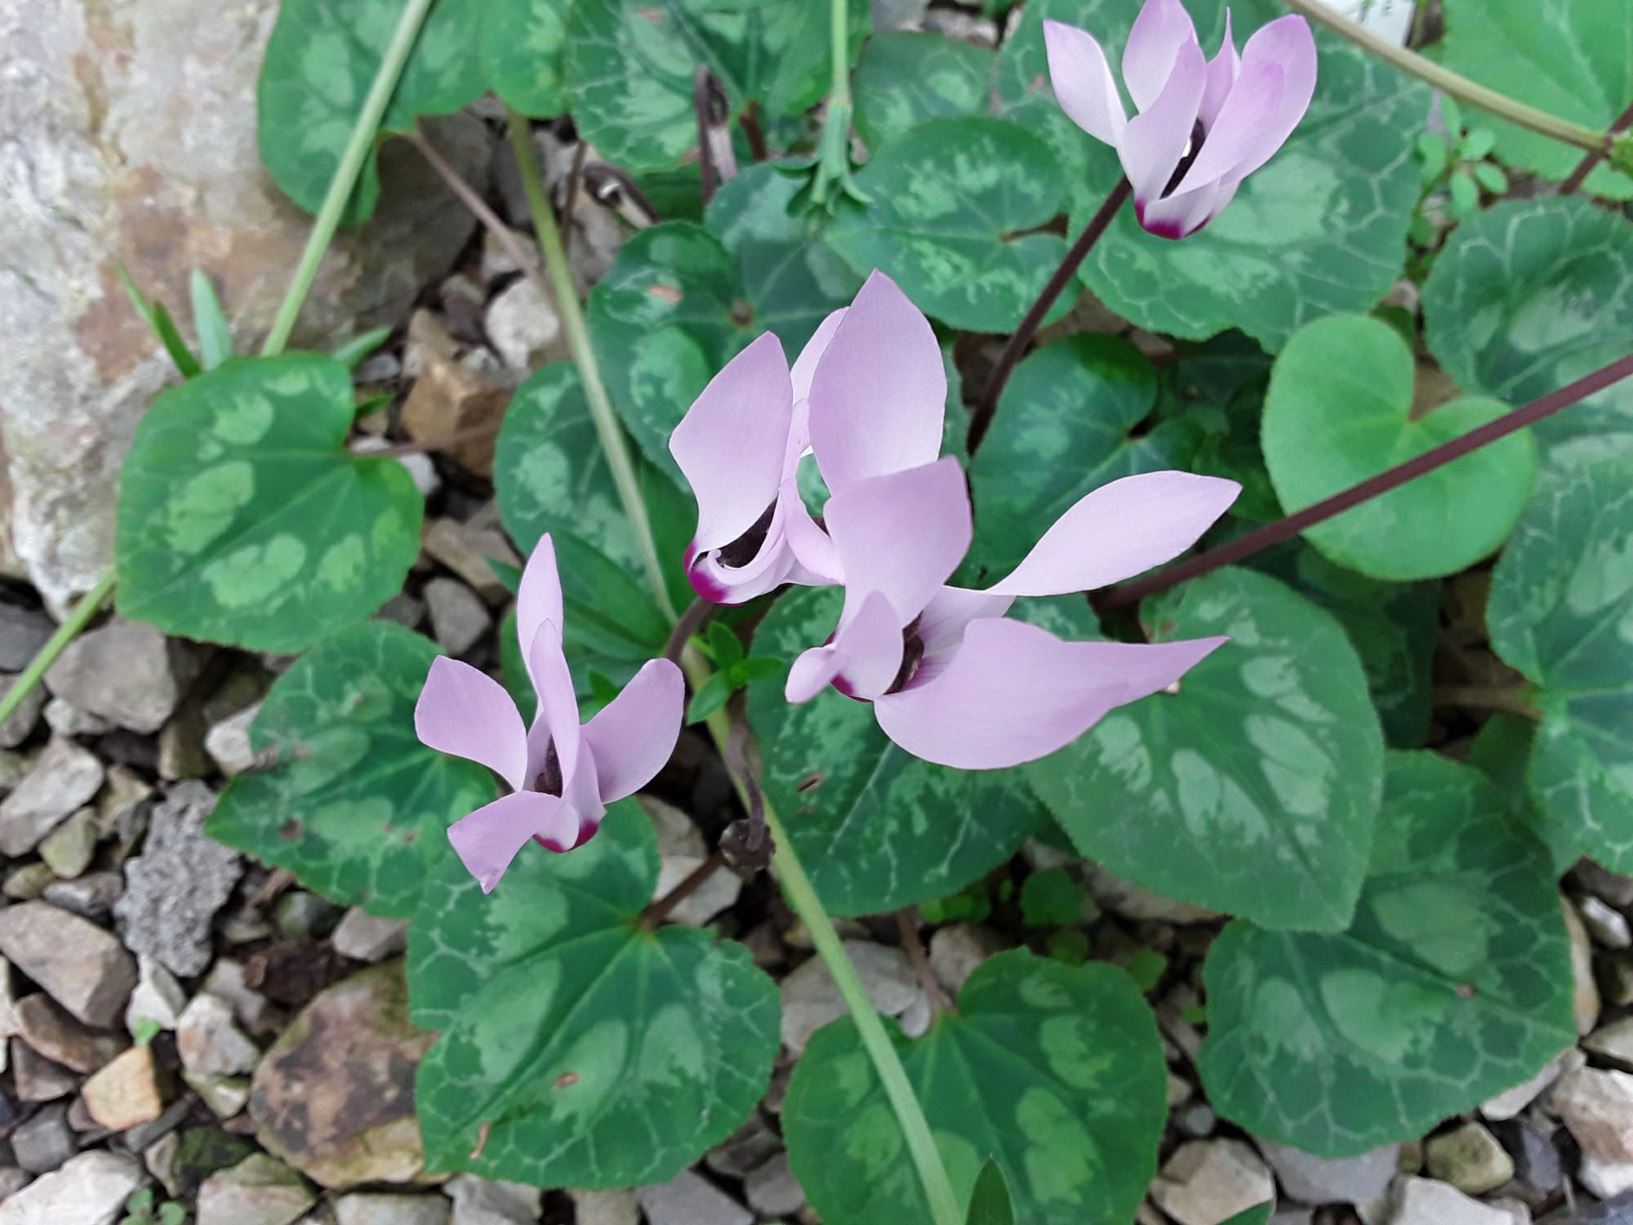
(688, 1199)
(257, 1191)
(1597, 1107)
(1509, 1103)
(365, 937)
(78, 964)
(481, 1201)
(90, 896)
(810, 1000)
(177, 884)
(36, 1078)
(44, 1142)
(772, 1190)
(122, 672)
(1470, 1158)
(23, 631)
(63, 780)
(61, 1039)
(1607, 925)
(126, 1093)
(1324, 1180)
(956, 950)
(1423, 1201)
(377, 1209)
(458, 617)
(210, 1043)
(20, 724)
(1208, 1181)
(69, 849)
(89, 1190)
(227, 742)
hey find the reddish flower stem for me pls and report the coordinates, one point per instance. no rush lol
(705, 154)
(695, 880)
(981, 419)
(1290, 526)
(1585, 167)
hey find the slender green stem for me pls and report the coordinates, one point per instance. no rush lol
(611, 434)
(56, 644)
(1456, 85)
(839, 37)
(785, 864)
(344, 180)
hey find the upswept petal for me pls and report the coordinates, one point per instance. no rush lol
(1162, 29)
(538, 595)
(488, 839)
(467, 713)
(633, 735)
(557, 719)
(1242, 130)
(1014, 692)
(1288, 43)
(863, 659)
(902, 535)
(1156, 140)
(806, 363)
(1120, 530)
(1082, 81)
(731, 442)
(1222, 72)
(879, 394)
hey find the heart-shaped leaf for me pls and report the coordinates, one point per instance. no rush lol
(904, 78)
(1528, 296)
(1561, 612)
(1055, 1072)
(630, 66)
(1452, 984)
(348, 799)
(242, 519)
(1256, 784)
(950, 216)
(876, 828)
(523, 42)
(668, 314)
(1064, 426)
(1567, 58)
(578, 1048)
(1340, 410)
(320, 63)
(1320, 229)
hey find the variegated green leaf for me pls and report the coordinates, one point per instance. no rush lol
(523, 42)
(903, 79)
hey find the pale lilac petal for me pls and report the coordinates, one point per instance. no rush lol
(1014, 692)
(488, 839)
(1156, 141)
(635, 733)
(806, 363)
(730, 444)
(1223, 70)
(1242, 130)
(1120, 530)
(1287, 43)
(862, 660)
(879, 394)
(467, 713)
(811, 546)
(901, 535)
(538, 596)
(1160, 32)
(1183, 214)
(941, 624)
(1082, 81)
(766, 571)
(557, 718)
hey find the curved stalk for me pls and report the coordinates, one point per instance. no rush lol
(785, 864)
(1455, 84)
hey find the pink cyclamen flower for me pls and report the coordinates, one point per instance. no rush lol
(562, 776)
(875, 370)
(951, 679)
(1203, 125)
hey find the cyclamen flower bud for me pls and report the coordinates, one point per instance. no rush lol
(1203, 125)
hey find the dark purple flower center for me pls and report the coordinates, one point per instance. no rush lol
(549, 779)
(1198, 136)
(747, 546)
(912, 657)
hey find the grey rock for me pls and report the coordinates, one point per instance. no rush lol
(464, 547)
(78, 964)
(66, 719)
(681, 850)
(524, 327)
(406, 610)
(1538, 1171)
(257, 1191)
(102, 163)
(177, 884)
(1607, 925)
(458, 618)
(365, 937)
(69, 849)
(36, 1078)
(90, 896)
(1509, 1103)
(29, 882)
(43, 1142)
(63, 780)
(20, 724)
(12, 1180)
(962, 26)
(1605, 1179)
(810, 1000)
(772, 1190)
(122, 801)
(606, 1207)
(1470, 1158)
(375, 1209)
(688, 1199)
(747, 1147)
(897, 14)
(61, 1039)
(210, 1043)
(956, 950)
(1423, 1201)
(305, 916)
(482, 1201)
(1596, 1106)
(157, 1000)
(226, 979)
(23, 631)
(1208, 1181)
(1613, 1043)
(1323, 1180)
(122, 672)
(1610, 886)
(228, 743)
(1132, 901)
(1585, 1001)
(89, 1190)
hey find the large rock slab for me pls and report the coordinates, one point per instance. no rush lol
(107, 160)
(334, 1096)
